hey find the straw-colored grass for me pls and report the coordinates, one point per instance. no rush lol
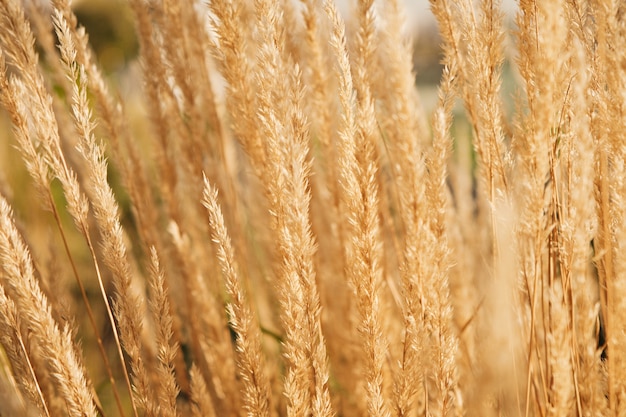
(277, 226)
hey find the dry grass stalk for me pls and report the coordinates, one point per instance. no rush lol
(55, 343)
(210, 338)
(166, 390)
(284, 129)
(41, 163)
(202, 405)
(360, 200)
(464, 268)
(106, 214)
(445, 344)
(257, 396)
(609, 182)
(12, 400)
(16, 350)
(231, 55)
(543, 64)
(122, 145)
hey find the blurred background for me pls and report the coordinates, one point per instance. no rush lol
(110, 27)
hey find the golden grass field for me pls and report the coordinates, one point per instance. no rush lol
(257, 216)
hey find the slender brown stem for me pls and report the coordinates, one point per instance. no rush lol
(90, 314)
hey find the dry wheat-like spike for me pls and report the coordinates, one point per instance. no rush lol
(545, 70)
(578, 225)
(32, 96)
(202, 405)
(318, 77)
(445, 346)
(34, 162)
(181, 96)
(347, 127)
(234, 64)
(478, 62)
(39, 17)
(608, 128)
(474, 46)
(563, 399)
(208, 328)
(154, 80)
(12, 402)
(402, 117)
(111, 113)
(283, 126)
(15, 348)
(38, 165)
(105, 208)
(404, 125)
(55, 343)
(358, 172)
(41, 146)
(166, 389)
(485, 57)
(320, 106)
(257, 397)
(182, 40)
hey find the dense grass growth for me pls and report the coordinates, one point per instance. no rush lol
(277, 227)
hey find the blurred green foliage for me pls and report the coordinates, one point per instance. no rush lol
(111, 32)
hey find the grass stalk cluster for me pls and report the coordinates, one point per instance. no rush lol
(271, 223)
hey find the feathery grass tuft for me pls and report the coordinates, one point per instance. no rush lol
(262, 214)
